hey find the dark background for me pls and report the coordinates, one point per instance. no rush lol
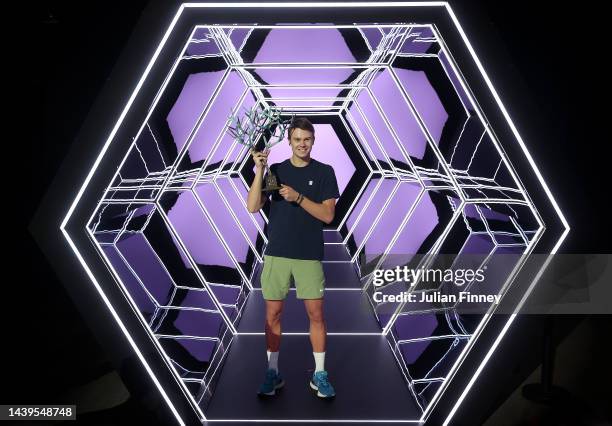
(547, 61)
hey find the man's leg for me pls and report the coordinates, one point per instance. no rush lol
(318, 331)
(275, 279)
(274, 309)
(310, 286)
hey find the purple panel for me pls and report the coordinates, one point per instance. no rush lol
(280, 46)
(238, 36)
(478, 244)
(373, 36)
(231, 312)
(415, 326)
(197, 299)
(399, 114)
(197, 323)
(391, 220)
(424, 32)
(201, 47)
(224, 221)
(134, 288)
(147, 266)
(327, 149)
(303, 92)
(239, 209)
(510, 250)
(201, 33)
(425, 99)
(365, 137)
(421, 224)
(492, 214)
(378, 125)
(411, 45)
(216, 117)
(379, 199)
(226, 295)
(308, 76)
(226, 145)
(470, 211)
(244, 193)
(197, 91)
(196, 232)
(106, 237)
(302, 103)
(365, 196)
(143, 210)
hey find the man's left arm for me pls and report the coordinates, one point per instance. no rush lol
(324, 211)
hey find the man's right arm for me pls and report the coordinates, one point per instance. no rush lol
(257, 198)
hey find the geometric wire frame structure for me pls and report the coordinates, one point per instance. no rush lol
(423, 161)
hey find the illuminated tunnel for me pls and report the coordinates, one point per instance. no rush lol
(422, 168)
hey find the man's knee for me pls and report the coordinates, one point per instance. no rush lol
(315, 314)
(273, 316)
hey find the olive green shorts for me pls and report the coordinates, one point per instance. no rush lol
(276, 278)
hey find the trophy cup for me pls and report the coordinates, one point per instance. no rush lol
(258, 124)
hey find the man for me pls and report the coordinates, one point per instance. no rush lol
(298, 211)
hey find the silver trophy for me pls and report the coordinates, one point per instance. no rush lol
(260, 123)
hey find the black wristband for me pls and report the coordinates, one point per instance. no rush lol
(300, 199)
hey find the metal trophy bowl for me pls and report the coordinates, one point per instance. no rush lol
(263, 124)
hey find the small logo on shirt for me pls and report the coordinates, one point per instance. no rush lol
(310, 182)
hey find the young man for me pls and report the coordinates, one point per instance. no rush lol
(298, 211)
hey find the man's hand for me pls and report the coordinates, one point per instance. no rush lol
(260, 158)
(288, 193)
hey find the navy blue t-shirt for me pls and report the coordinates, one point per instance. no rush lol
(292, 231)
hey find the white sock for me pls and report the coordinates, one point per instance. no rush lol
(273, 360)
(319, 361)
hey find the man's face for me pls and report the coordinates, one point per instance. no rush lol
(301, 142)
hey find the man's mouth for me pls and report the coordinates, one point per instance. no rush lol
(301, 149)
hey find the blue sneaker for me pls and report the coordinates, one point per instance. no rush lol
(272, 382)
(321, 385)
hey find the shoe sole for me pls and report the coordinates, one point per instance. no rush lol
(319, 394)
(280, 385)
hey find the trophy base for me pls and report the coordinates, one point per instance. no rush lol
(271, 188)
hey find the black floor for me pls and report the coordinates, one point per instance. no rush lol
(368, 382)
(362, 369)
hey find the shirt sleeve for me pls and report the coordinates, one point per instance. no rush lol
(330, 185)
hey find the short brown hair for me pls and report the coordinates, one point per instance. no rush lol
(300, 123)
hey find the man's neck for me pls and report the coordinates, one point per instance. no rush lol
(299, 162)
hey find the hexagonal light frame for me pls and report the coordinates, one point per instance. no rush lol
(68, 227)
